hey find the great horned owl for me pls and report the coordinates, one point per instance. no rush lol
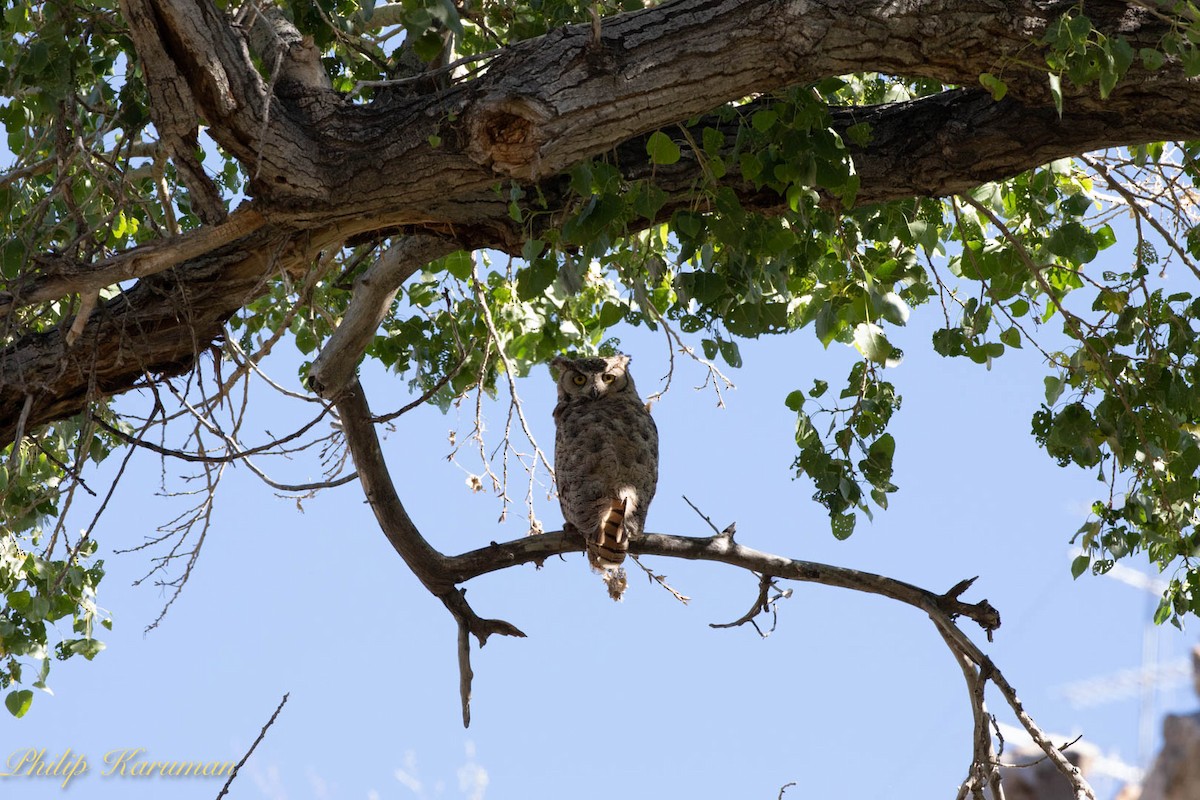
(605, 458)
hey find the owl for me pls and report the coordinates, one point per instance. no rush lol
(605, 458)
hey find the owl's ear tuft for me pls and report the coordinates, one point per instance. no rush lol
(558, 364)
(621, 359)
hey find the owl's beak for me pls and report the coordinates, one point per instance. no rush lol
(594, 392)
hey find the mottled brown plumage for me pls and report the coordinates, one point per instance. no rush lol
(605, 457)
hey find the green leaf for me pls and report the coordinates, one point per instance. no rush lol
(661, 149)
(460, 264)
(19, 600)
(870, 341)
(536, 278)
(1056, 92)
(729, 352)
(1152, 59)
(531, 250)
(763, 120)
(842, 525)
(713, 141)
(882, 449)
(949, 342)
(1080, 565)
(18, 702)
(994, 85)
(794, 400)
(859, 133)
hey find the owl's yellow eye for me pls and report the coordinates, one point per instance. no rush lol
(579, 380)
(609, 377)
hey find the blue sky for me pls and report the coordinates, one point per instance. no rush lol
(853, 697)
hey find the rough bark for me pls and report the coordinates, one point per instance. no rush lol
(325, 170)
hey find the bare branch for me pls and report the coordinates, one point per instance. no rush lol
(762, 604)
(373, 294)
(261, 734)
(429, 565)
(662, 581)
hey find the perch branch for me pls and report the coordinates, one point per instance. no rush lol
(441, 574)
(722, 548)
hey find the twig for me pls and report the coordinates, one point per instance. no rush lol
(762, 604)
(14, 457)
(453, 65)
(465, 673)
(705, 517)
(261, 734)
(87, 304)
(662, 581)
(470, 623)
(509, 372)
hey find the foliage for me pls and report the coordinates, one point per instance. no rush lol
(1122, 350)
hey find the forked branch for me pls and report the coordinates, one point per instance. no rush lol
(441, 574)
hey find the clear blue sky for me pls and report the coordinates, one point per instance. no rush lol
(853, 697)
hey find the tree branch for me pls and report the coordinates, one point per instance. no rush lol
(378, 172)
(261, 734)
(429, 565)
(721, 548)
(439, 573)
(61, 277)
(372, 297)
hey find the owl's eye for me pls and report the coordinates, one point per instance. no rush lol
(579, 380)
(609, 377)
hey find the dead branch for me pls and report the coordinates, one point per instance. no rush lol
(763, 604)
(661, 580)
(261, 734)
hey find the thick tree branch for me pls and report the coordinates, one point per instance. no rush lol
(378, 173)
(373, 294)
(59, 278)
(429, 565)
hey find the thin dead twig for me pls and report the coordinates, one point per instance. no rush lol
(662, 581)
(261, 734)
(762, 604)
